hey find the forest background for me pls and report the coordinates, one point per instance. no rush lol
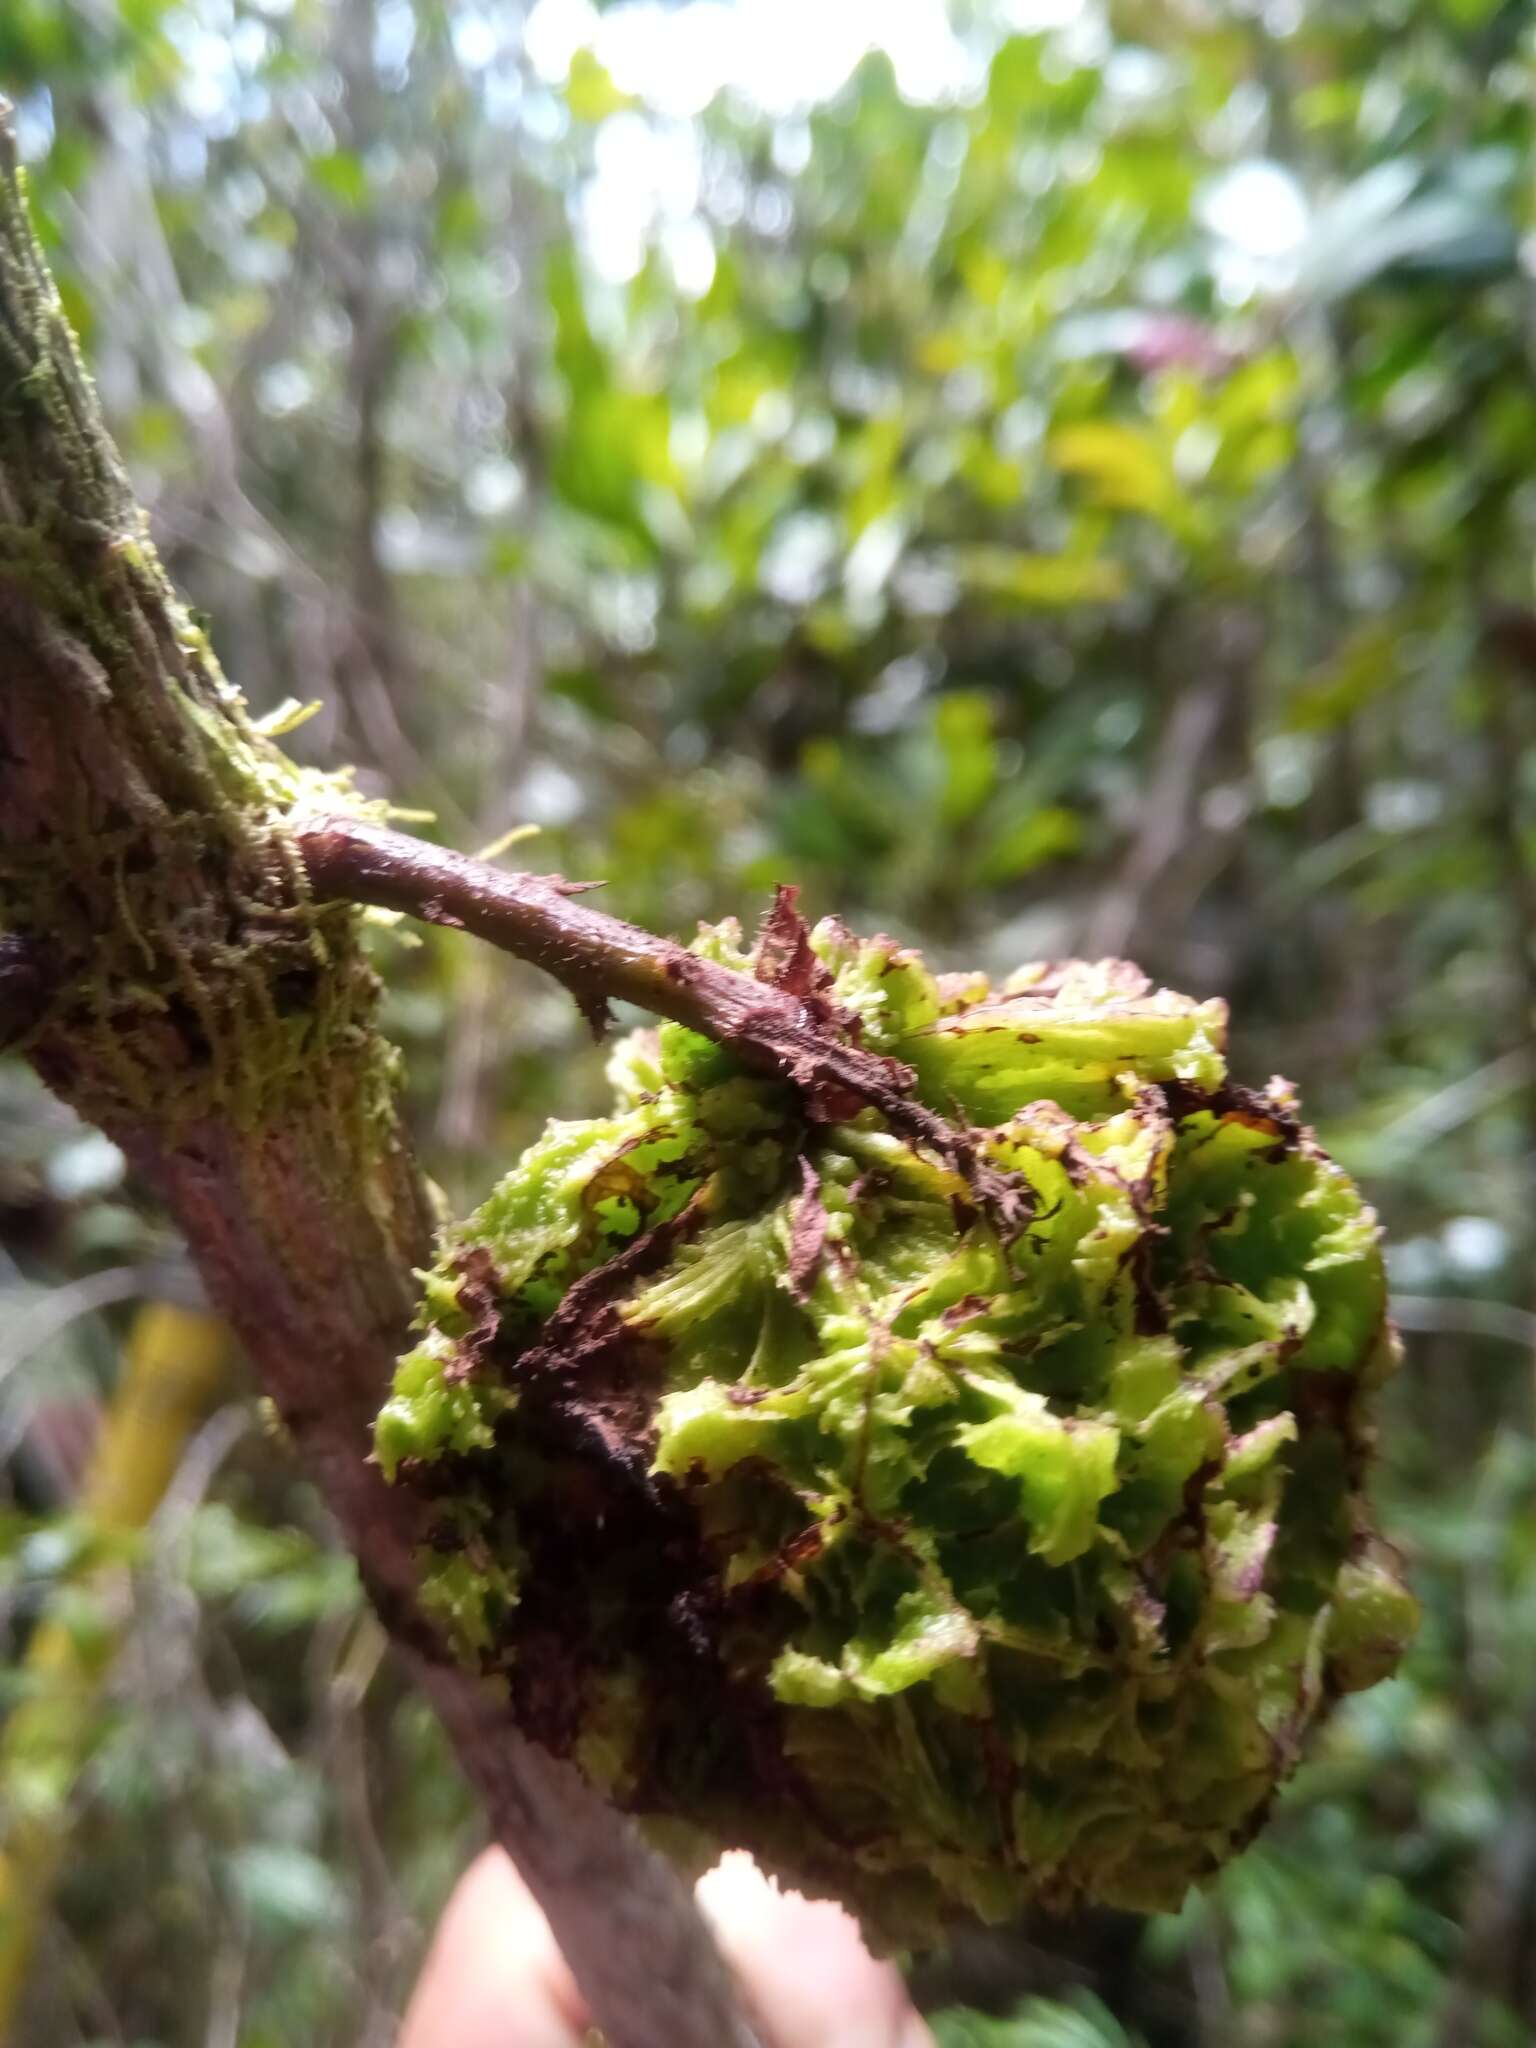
(1045, 476)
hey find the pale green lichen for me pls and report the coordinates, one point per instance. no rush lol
(947, 1564)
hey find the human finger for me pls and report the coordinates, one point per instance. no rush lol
(804, 1966)
(493, 1977)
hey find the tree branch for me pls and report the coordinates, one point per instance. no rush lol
(787, 1026)
(199, 1005)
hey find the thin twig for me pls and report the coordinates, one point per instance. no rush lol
(1458, 1315)
(790, 1031)
(1470, 1095)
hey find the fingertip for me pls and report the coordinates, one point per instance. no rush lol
(493, 1977)
(804, 1964)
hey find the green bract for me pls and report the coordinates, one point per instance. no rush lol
(946, 1562)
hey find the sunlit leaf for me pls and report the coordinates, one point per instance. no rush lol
(590, 92)
(340, 174)
(1015, 576)
(1124, 465)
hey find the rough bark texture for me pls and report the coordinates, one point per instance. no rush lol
(198, 1004)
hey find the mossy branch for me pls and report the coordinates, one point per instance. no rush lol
(173, 977)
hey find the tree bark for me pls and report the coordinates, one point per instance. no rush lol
(199, 1004)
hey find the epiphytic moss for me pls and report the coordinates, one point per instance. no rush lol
(946, 1565)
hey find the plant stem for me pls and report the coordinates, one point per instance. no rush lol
(785, 1027)
(197, 1004)
(599, 958)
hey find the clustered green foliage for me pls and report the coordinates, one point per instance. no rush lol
(947, 1561)
(1006, 337)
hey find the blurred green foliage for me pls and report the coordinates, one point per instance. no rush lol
(1067, 487)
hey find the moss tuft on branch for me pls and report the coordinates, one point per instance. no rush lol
(951, 1558)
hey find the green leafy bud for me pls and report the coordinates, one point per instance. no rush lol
(951, 1555)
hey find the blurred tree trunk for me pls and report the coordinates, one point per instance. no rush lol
(197, 1004)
